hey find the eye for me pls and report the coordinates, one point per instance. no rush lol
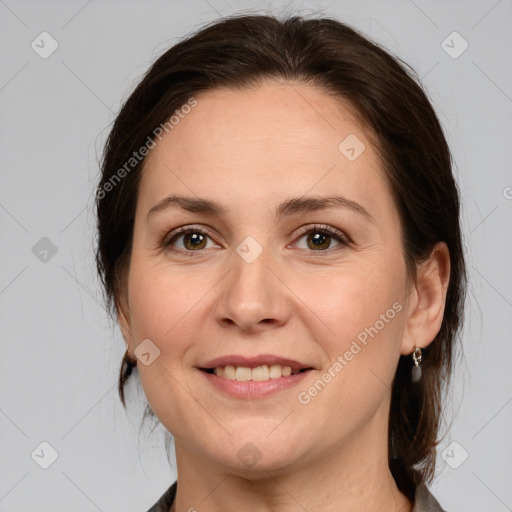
(193, 239)
(320, 238)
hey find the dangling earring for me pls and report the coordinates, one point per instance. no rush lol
(416, 369)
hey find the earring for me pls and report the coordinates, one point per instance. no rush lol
(416, 369)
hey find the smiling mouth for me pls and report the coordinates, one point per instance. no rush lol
(258, 373)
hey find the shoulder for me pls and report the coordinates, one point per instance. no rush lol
(165, 501)
(424, 501)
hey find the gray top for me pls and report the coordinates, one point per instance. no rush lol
(423, 500)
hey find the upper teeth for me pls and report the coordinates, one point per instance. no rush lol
(244, 373)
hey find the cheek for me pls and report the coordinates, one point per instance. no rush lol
(162, 299)
(165, 308)
(358, 322)
(360, 333)
(343, 302)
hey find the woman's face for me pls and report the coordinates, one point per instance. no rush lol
(275, 277)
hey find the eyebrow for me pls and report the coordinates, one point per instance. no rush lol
(286, 208)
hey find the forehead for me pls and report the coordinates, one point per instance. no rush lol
(262, 142)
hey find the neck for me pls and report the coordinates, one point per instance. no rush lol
(353, 476)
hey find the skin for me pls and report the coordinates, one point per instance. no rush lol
(250, 150)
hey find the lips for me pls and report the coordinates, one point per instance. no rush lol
(259, 382)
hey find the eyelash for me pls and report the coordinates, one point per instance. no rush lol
(338, 235)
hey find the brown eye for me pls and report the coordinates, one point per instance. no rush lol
(187, 240)
(318, 241)
(194, 241)
(321, 238)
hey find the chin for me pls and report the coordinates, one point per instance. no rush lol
(256, 457)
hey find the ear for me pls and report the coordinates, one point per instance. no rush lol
(123, 317)
(427, 300)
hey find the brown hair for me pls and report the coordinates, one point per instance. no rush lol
(240, 51)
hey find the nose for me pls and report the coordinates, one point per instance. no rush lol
(252, 296)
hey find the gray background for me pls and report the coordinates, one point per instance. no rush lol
(59, 355)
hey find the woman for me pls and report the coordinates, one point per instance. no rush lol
(279, 235)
